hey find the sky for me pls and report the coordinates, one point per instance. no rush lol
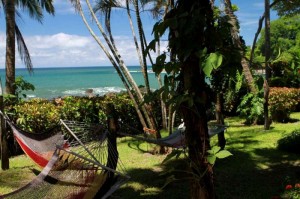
(64, 41)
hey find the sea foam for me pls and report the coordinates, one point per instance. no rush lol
(97, 91)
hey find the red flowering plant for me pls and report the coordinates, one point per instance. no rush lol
(291, 191)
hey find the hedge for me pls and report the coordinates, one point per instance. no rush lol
(283, 101)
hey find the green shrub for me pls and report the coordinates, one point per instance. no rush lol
(81, 109)
(124, 108)
(251, 108)
(36, 115)
(283, 101)
(290, 143)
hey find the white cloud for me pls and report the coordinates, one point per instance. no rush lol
(62, 50)
(63, 7)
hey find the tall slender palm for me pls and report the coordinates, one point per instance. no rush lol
(105, 7)
(239, 45)
(34, 9)
(10, 46)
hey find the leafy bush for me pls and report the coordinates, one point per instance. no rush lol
(40, 115)
(282, 102)
(21, 86)
(124, 108)
(251, 108)
(36, 115)
(291, 142)
(81, 109)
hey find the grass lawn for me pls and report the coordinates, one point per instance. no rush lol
(256, 169)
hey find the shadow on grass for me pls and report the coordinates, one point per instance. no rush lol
(137, 145)
(262, 175)
(148, 183)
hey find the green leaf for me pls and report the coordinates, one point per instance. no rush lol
(157, 68)
(151, 46)
(211, 159)
(213, 61)
(169, 67)
(223, 154)
(214, 150)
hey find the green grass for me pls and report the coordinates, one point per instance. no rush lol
(256, 169)
(19, 174)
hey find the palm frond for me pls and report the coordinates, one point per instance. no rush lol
(156, 7)
(32, 7)
(47, 5)
(104, 6)
(76, 4)
(23, 50)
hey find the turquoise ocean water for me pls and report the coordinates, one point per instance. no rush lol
(58, 82)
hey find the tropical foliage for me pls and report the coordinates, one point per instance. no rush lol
(285, 48)
(39, 115)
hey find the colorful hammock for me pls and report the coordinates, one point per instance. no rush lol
(80, 155)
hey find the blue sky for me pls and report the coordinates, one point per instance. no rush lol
(63, 40)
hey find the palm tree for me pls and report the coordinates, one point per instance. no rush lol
(34, 9)
(10, 46)
(237, 41)
(104, 7)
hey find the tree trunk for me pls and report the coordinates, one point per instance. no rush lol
(267, 65)
(196, 132)
(116, 61)
(140, 30)
(112, 159)
(192, 86)
(238, 44)
(10, 46)
(3, 140)
(162, 103)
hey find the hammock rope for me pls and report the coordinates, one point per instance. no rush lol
(175, 140)
(81, 162)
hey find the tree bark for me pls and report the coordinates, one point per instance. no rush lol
(140, 30)
(3, 140)
(267, 64)
(113, 155)
(116, 61)
(196, 132)
(238, 44)
(185, 42)
(10, 46)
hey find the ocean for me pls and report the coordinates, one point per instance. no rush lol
(74, 81)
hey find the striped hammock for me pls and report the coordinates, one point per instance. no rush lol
(79, 161)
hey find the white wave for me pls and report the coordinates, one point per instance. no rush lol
(53, 91)
(97, 91)
(29, 96)
(138, 71)
(104, 90)
(74, 92)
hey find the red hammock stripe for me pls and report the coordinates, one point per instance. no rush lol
(36, 157)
